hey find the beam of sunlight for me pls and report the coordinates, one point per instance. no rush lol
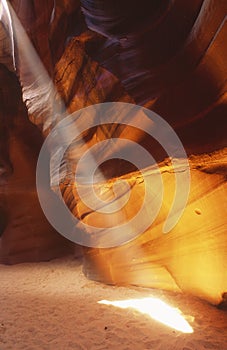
(45, 105)
(6, 20)
(47, 109)
(156, 309)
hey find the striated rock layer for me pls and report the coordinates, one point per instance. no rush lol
(192, 257)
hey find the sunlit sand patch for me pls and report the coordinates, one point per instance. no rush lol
(156, 309)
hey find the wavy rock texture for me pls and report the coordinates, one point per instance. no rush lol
(169, 56)
(175, 65)
(192, 256)
(26, 235)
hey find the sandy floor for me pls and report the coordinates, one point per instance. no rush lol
(53, 306)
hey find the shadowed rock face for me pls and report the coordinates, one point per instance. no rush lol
(164, 62)
(25, 233)
(169, 56)
(117, 18)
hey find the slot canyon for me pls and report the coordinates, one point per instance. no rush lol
(113, 165)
